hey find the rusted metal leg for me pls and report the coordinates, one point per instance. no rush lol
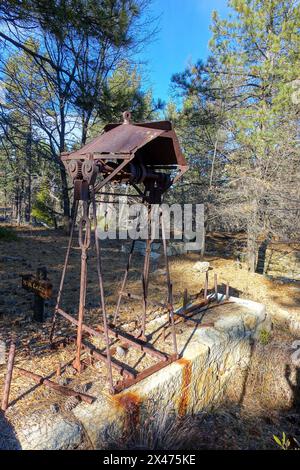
(170, 290)
(206, 285)
(124, 281)
(184, 300)
(145, 283)
(84, 243)
(227, 291)
(40, 380)
(8, 378)
(62, 280)
(171, 313)
(101, 290)
(58, 370)
(216, 286)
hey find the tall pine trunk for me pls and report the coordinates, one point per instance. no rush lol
(65, 199)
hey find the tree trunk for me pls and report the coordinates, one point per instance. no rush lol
(65, 199)
(251, 253)
(29, 170)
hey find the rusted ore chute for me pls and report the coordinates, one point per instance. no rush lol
(147, 157)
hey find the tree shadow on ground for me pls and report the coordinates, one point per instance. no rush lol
(8, 438)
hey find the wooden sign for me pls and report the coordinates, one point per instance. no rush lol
(40, 285)
(42, 288)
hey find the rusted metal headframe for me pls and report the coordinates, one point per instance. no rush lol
(133, 153)
(146, 154)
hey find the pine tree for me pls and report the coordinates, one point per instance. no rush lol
(246, 90)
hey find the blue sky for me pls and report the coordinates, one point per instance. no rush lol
(182, 38)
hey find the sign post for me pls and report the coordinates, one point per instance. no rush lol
(42, 289)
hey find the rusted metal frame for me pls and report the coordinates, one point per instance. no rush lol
(84, 243)
(124, 281)
(170, 291)
(145, 276)
(62, 280)
(40, 380)
(125, 277)
(128, 338)
(195, 311)
(8, 378)
(60, 343)
(179, 156)
(144, 374)
(101, 290)
(137, 343)
(123, 369)
(193, 307)
(112, 174)
(65, 156)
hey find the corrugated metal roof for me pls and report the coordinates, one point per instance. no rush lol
(125, 139)
(154, 143)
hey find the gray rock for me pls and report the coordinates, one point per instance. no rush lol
(201, 266)
(71, 403)
(121, 351)
(54, 408)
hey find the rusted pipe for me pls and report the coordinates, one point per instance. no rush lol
(40, 380)
(8, 378)
(185, 299)
(206, 285)
(63, 275)
(101, 291)
(84, 243)
(227, 290)
(124, 281)
(128, 338)
(216, 286)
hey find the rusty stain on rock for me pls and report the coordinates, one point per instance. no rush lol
(129, 402)
(186, 381)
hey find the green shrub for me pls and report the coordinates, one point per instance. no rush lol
(283, 443)
(264, 337)
(7, 234)
(42, 209)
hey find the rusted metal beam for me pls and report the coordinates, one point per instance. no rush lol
(121, 385)
(119, 366)
(63, 274)
(136, 343)
(128, 338)
(40, 380)
(8, 378)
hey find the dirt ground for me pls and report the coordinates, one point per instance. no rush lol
(234, 427)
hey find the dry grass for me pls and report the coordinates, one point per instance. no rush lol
(258, 404)
(265, 380)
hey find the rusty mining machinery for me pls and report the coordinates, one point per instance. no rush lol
(147, 157)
